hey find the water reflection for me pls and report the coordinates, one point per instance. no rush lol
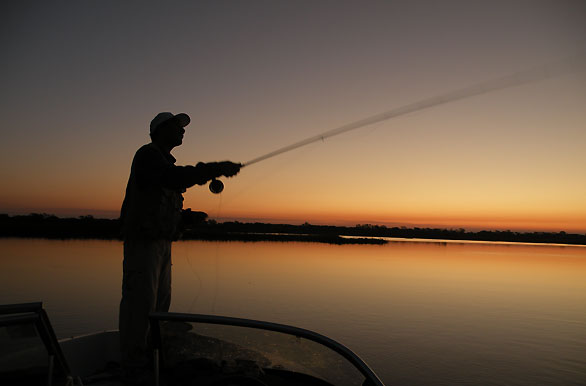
(452, 313)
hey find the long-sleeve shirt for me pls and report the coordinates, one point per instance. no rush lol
(154, 194)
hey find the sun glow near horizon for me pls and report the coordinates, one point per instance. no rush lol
(80, 99)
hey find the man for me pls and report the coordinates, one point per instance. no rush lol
(150, 216)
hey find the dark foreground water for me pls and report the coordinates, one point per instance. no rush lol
(419, 313)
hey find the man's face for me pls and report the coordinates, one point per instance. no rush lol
(172, 133)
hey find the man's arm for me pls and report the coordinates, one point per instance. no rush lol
(183, 177)
(153, 169)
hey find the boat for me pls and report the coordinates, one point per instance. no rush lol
(188, 349)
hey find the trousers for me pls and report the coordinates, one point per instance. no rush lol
(146, 287)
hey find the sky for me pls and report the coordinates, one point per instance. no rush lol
(81, 81)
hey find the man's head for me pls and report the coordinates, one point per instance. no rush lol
(167, 129)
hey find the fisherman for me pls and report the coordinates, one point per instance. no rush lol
(151, 217)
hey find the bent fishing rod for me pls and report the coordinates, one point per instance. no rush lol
(536, 74)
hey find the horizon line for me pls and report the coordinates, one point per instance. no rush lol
(285, 221)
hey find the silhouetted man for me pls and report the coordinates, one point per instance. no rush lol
(150, 216)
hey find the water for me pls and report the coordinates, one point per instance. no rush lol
(419, 313)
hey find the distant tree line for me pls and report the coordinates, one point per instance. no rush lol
(198, 227)
(367, 230)
(49, 226)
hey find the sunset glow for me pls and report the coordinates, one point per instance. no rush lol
(256, 76)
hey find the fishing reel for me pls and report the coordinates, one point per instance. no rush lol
(216, 186)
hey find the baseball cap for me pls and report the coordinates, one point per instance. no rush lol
(161, 118)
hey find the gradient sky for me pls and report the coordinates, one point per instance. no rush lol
(81, 81)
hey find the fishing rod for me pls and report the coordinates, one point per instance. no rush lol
(536, 74)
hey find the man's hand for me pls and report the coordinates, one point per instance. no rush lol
(229, 169)
(217, 169)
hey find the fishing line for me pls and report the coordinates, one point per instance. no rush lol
(217, 262)
(537, 74)
(200, 287)
(260, 180)
(216, 269)
(265, 176)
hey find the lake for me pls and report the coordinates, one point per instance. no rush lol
(419, 313)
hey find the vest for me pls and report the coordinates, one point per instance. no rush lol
(150, 210)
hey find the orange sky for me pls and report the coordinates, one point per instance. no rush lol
(260, 76)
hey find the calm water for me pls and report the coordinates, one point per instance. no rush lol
(418, 313)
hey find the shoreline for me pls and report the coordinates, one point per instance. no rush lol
(86, 227)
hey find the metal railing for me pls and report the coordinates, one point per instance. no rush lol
(370, 377)
(33, 313)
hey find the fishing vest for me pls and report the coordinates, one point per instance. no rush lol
(150, 210)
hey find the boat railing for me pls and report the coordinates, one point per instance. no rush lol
(159, 319)
(19, 318)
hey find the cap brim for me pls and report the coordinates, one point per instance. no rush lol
(183, 119)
